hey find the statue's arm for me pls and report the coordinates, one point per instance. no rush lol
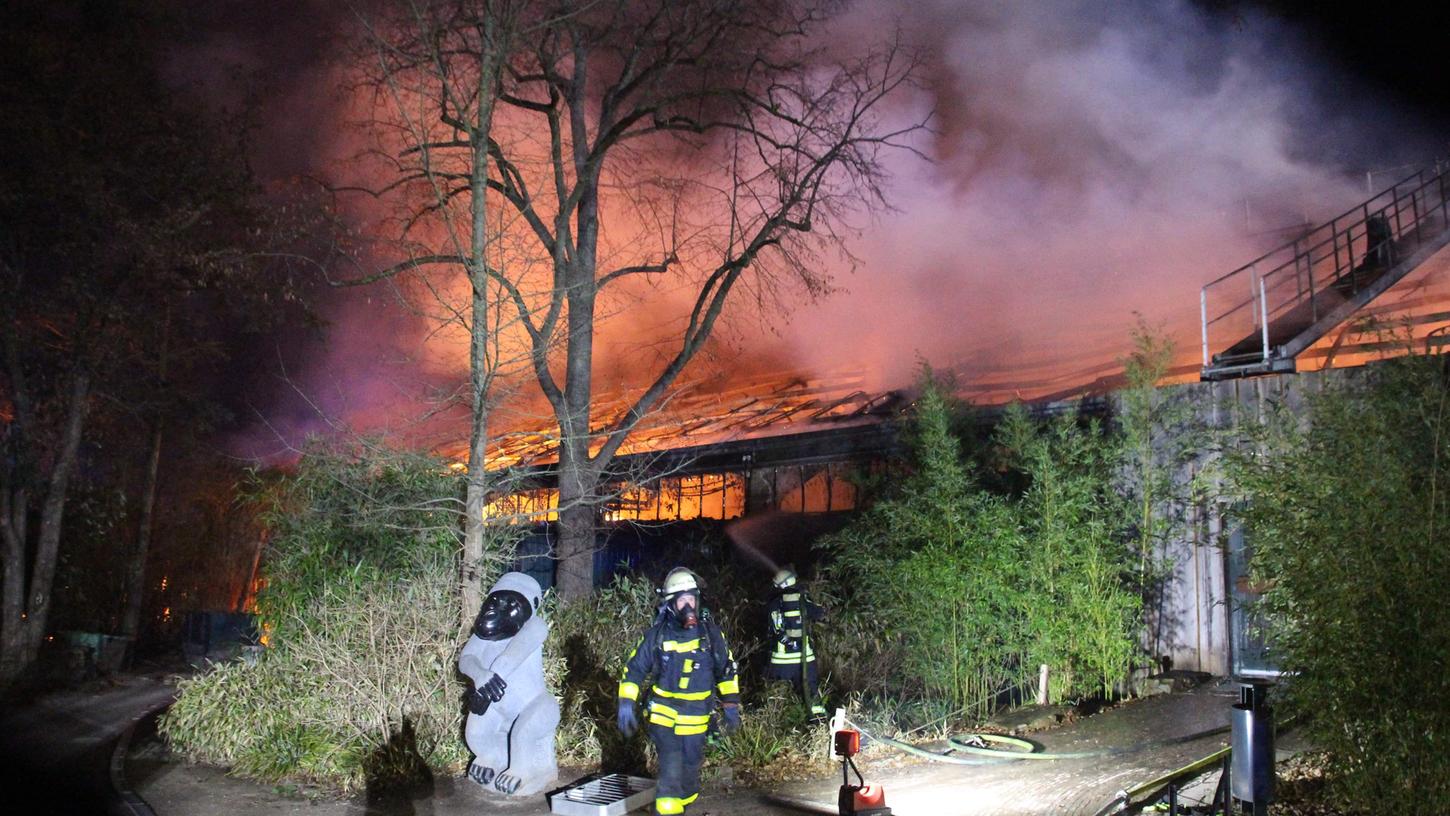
(470, 662)
(530, 639)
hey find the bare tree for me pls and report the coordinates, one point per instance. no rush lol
(713, 146)
(437, 69)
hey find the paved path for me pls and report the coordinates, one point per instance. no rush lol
(58, 745)
(1078, 786)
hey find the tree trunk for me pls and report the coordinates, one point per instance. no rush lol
(575, 549)
(13, 603)
(136, 570)
(578, 473)
(26, 629)
(481, 363)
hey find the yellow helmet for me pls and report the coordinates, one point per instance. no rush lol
(784, 577)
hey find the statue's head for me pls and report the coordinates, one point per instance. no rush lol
(515, 597)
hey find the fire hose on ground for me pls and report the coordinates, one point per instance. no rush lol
(980, 751)
(979, 747)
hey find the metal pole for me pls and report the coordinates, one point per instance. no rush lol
(1264, 314)
(1443, 212)
(1349, 248)
(1298, 277)
(1203, 317)
(1313, 297)
(1334, 240)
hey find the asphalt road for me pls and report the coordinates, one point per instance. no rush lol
(55, 750)
(58, 749)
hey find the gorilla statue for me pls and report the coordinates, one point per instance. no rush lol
(511, 715)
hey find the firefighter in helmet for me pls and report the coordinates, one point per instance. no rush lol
(793, 658)
(693, 668)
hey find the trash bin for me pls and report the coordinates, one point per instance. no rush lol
(1251, 773)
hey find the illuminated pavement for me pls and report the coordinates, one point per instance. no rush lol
(1080, 786)
(59, 746)
(913, 786)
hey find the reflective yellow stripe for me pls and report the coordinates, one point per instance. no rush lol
(688, 730)
(790, 596)
(793, 613)
(669, 804)
(629, 691)
(790, 659)
(681, 645)
(692, 719)
(655, 705)
(662, 719)
(731, 686)
(682, 695)
(690, 800)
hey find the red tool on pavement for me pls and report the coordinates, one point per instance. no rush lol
(859, 799)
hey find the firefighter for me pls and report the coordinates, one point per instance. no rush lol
(793, 657)
(692, 667)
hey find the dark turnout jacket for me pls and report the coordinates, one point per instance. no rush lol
(690, 667)
(786, 610)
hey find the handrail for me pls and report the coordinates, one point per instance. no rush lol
(1295, 284)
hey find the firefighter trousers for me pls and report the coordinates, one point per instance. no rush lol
(680, 757)
(792, 672)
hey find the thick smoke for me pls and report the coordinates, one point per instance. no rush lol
(1092, 160)
(1088, 161)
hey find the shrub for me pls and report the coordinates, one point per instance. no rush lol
(359, 681)
(1349, 522)
(589, 640)
(931, 568)
(1077, 609)
(968, 589)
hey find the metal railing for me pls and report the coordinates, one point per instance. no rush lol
(1252, 311)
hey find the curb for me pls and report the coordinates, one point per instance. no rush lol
(124, 801)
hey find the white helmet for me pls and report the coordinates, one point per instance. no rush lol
(784, 577)
(681, 591)
(679, 580)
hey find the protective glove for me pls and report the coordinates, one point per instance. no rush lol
(628, 722)
(494, 688)
(477, 703)
(731, 716)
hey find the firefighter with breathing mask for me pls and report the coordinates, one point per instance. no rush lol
(692, 667)
(793, 658)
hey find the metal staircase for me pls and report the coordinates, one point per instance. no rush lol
(1263, 314)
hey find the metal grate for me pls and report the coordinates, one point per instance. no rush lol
(603, 795)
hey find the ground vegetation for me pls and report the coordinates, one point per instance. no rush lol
(1346, 511)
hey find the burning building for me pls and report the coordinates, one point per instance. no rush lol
(1367, 285)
